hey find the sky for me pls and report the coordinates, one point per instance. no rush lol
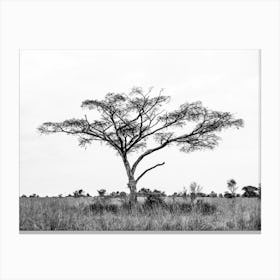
(53, 85)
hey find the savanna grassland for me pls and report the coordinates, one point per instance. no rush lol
(115, 214)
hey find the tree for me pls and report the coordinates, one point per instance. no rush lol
(128, 121)
(231, 184)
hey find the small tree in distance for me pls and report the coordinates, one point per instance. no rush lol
(128, 121)
(231, 184)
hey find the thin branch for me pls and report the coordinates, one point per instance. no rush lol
(147, 170)
(147, 153)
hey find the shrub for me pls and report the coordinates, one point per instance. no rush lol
(213, 194)
(153, 200)
(228, 195)
(79, 193)
(144, 191)
(205, 208)
(122, 194)
(98, 207)
(250, 191)
(101, 192)
(201, 194)
(181, 207)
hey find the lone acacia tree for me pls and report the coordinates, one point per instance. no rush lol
(127, 121)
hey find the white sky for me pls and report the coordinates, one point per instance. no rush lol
(54, 83)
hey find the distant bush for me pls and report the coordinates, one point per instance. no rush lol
(79, 193)
(221, 195)
(157, 192)
(115, 194)
(228, 195)
(34, 195)
(144, 191)
(123, 194)
(213, 194)
(101, 192)
(250, 191)
(201, 194)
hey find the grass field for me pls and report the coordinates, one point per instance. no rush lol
(114, 214)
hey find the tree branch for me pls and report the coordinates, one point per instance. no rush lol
(147, 153)
(147, 170)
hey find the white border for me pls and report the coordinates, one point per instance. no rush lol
(139, 25)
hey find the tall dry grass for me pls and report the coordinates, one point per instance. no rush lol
(95, 214)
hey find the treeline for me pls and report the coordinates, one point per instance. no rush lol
(193, 192)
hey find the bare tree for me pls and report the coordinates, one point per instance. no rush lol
(127, 121)
(231, 184)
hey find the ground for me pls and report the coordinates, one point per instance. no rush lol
(115, 214)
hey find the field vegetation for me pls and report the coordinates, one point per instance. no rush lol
(151, 213)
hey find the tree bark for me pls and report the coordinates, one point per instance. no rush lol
(131, 182)
(133, 192)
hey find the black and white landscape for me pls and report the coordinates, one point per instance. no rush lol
(139, 141)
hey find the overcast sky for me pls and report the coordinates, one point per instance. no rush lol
(54, 83)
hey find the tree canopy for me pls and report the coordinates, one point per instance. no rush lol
(127, 120)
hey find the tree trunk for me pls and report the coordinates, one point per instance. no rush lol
(131, 182)
(133, 193)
